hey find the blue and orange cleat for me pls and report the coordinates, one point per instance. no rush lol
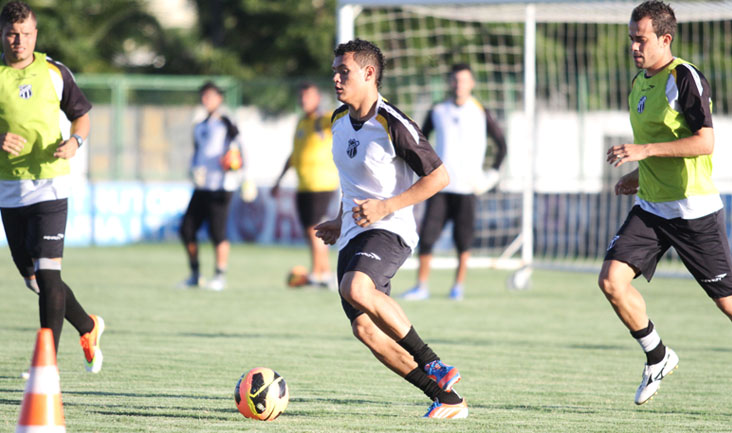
(90, 343)
(446, 376)
(444, 410)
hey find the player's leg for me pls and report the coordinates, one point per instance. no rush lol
(192, 221)
(397, 359)
(365, 269)
(434, 219)
(463, 233)
(56, 300)
(218, 216)
(312, 207)
(636, 250)
(15, 224)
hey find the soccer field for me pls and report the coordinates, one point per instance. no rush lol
(551, 359)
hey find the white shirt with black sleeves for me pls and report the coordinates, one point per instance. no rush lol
(377, 159)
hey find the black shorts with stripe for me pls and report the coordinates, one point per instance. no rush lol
(35, 231)
(378, 254)
(701, 243)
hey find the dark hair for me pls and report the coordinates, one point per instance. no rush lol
(364, 53)
(15, 12)
(457, 67)
(661, 15)
(305, 85)
(210, 85)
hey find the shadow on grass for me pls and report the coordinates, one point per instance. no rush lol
(596, 347)
(139, 413)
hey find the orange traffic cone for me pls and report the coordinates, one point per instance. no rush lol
(41, 410)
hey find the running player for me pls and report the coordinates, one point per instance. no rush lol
(35, 179)
(677, 204)
(377, 150)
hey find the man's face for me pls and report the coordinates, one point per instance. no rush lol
(211, 100)
(647, 49)
(462, 84)
(19, 40)
(349, 78)
(309, 100)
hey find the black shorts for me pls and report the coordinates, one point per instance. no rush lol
(443, 207)
(35, 231)
(378, 254)
(211, 206)
(312, 207)
(701, 244)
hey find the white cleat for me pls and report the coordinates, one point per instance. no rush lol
(192, 282)
(652, 375)
(217, 283)
(416, 294)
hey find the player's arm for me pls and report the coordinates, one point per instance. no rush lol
(330, 231)
(694, 101)
(494, 131)
(76, 108)
(411, 145)
(79, 127)
(628, 184)
(276, 187)
(12, 143)
(367, 212)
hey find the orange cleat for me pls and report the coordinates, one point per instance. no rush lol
(444, 410)
(90, 343)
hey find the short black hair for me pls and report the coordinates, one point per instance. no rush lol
(305, 85)
(364, 53)
(210, 85)
(15, 12)
(457, 67)
(661, 15)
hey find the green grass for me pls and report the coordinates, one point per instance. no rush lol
(551, 359)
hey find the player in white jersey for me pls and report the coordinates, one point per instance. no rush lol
(461, 124)
(216, 171)
(377, 151)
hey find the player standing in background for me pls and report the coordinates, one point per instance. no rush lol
(677, 204)
(216, 171)
(35, 180)
(460, 124)
(317, 177)
(377, 150)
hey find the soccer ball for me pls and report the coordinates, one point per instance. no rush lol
(298, 276)
(261, 394)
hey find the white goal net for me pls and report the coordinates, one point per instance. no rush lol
(556, 75)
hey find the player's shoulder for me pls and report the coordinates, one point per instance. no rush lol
(57, 67)
(339, 113)
(687, 71)
(392, 114)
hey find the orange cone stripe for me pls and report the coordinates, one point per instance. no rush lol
(43, 380)
(45, 353)
(41, 410)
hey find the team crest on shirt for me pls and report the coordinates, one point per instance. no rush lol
(352, 146)
(642, 104)
(25, 91)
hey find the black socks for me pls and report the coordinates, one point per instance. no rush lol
(419, 378)
(421, 352)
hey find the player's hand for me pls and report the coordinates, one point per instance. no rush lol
(627, 185)
(12, 143)
(275, 191)
(619, 155)
(67, 149)
(329, 231)
(369, 211)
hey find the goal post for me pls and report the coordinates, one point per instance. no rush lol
(557, 76)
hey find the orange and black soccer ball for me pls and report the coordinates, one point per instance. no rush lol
(261, 394)
(297, 277)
